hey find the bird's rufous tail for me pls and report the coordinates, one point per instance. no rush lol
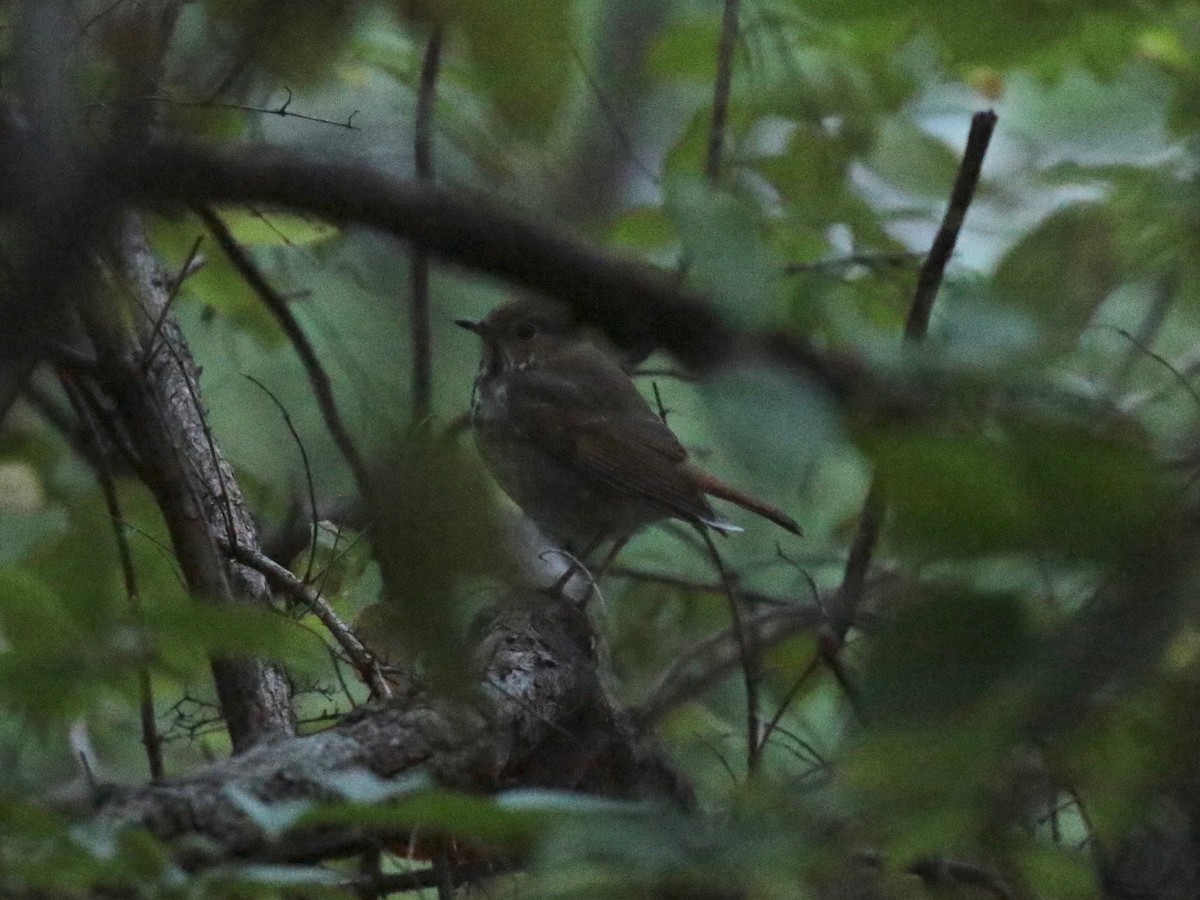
(714, 487)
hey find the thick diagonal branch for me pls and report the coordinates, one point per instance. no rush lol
(542, 719)
(155, 401)
(635, 303)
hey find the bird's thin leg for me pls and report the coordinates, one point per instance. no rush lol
(617, 547)
(578, 562)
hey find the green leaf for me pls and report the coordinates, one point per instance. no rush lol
(1059, 873)
(687, 50)
(1062, 271)
(519, 53)
(1060, 488)
(32, 615)
(956, 495)
(776, 422)
(253, 228)
(437, 527)
(726, 251)
(914, 161)
(197, 627)
(925, 786)
(644, 228)
(273, 818)
(1094, 493)
(1017, 33)
(217, 285)
(299, 43)
(1060, 120)
(444, 812)
(942, 656)
(810, 174)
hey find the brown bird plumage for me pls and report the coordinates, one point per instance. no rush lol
(570, 439)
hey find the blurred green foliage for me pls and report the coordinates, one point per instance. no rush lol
(1058, 457)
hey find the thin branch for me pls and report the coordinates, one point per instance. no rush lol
(862, 548)
(635, 304)
(1186, 365)
(380, 884)
(552, 726)
(611, 119)
(1179, 376)
(308, 476)
(85, 27)
(934, 267)
(791, 695)
(688, 584)
(61, 420)
(317, 377)
(184, 271)
(426, 104)
(899, 259)
(151, 739)
(710, 660)
(1164, 295)
(748, 654)
(282, 110)
(858, 563)
(663, 372)
(942, 871)
(721, 88)
(363, 659)
(422, 374)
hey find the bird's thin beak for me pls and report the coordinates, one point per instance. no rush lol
(470, 325)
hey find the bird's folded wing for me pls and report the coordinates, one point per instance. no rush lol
(629, 449)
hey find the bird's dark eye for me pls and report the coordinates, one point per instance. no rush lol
(525, 331)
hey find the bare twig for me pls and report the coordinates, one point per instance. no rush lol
(664, 372)
(1186, 365)
(721, 88)
(1139, 346)
(151, 739)
(184, 271)
(317, 377)
(308, 476)
(688, 584)
(426, 103)
(851, 260)
(747, 652)
(934, 267)
(942, 871)
(710, 660)
(791, 695)
(611, 119)
(363, 659)
(531, 724)
(1164, 294)
(385, 884)
(842, 615)
(282, 110)
(72, 431)
(422, 374)
(663, 412)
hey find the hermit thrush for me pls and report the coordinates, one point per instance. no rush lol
(570, 439)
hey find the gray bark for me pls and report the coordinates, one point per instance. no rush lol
(542, 719)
